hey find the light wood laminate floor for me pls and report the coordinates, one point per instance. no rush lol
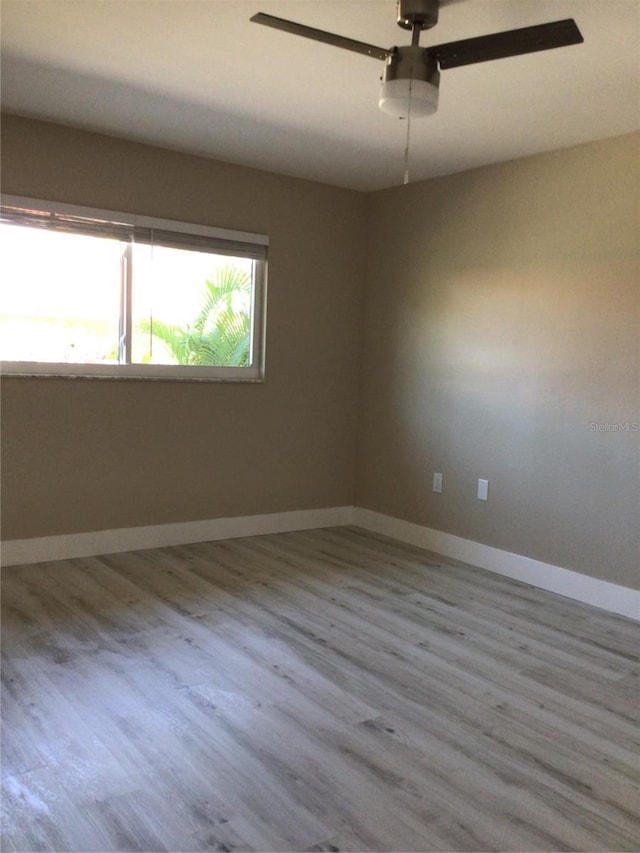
(323, 690)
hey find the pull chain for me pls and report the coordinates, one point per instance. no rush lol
(415, 41)
(406, 147)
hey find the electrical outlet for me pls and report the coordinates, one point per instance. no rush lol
(483, 490)
(437, 482)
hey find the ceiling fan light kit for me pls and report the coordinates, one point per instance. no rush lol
(409, 83)
(412, 73)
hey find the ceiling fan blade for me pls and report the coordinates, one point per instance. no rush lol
(320, 35)
(508, 43)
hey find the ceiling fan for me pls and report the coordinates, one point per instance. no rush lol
(411, 75)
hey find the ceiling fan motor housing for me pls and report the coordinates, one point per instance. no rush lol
(420, 13)
(410, 81)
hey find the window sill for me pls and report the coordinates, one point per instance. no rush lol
(135, 373)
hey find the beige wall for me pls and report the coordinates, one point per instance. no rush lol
(92, 455)
(502, 319)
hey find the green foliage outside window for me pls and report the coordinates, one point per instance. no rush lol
(221, 332)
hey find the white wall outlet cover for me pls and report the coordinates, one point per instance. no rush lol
(483, 490)
(437, 482)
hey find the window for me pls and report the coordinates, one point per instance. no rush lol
(96, 293)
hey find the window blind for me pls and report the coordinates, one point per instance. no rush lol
(125, 227)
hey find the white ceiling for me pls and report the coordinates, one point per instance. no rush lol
(196, 75)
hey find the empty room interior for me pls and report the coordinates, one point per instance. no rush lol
(320, 412)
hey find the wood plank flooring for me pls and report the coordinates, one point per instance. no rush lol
(325, 690)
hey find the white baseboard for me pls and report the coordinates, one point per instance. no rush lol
(17, 552)
(598, 593)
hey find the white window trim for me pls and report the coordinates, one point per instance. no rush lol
(158, 372)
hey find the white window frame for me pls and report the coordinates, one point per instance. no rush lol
(222, 241)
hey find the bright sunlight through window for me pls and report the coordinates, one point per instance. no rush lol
(93, 293)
